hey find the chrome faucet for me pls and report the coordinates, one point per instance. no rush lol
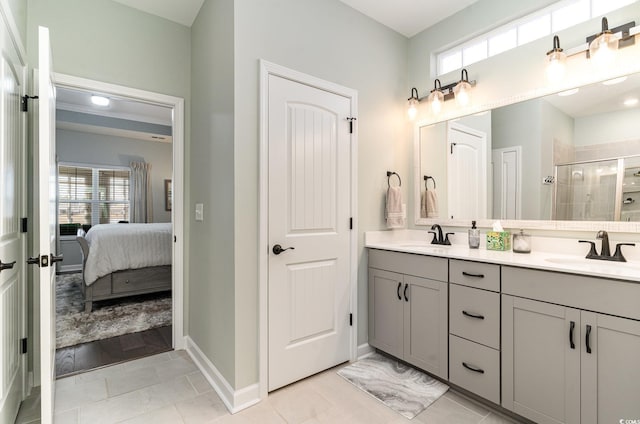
(605, 252)
(438, 238)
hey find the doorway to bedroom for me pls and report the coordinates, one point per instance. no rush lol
(114, 229)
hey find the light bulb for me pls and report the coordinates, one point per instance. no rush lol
(556, 60)
(412, 110)
(436, 98)
(100, 100)
(602, 49)
(462, 93)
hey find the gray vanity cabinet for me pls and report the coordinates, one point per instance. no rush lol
(566, 364)
(408, 308)
(540, 370)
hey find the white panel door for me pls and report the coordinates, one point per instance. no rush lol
(45, 238)
(506, 183)
(12, 285)
(309, 210)
(466, 172)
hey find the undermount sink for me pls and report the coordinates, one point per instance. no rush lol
(594, 263)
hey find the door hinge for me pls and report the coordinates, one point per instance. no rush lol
(24, 223)
(175, 239)
(23, 346)
(351, 320)
(351, 223)
(351, 124)
(24, 102)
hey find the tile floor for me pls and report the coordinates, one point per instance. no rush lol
(168, 388)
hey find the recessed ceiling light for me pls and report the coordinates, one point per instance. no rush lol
(100, 100)
(631, 102)
(614, 81)
(568, 92)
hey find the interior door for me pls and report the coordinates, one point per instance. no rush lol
(309, 210)
(12, 282)
(44, 240)
(506, 182)
(466, 172)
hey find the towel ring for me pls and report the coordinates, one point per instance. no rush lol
(389, 174)
(426, 179)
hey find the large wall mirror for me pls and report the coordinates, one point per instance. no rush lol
(570, 156)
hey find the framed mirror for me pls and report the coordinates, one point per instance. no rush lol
(563, 160)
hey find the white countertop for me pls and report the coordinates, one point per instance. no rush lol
(414, 241)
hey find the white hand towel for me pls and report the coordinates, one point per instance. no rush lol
(396, 215)
(423, 204)
(431, 203)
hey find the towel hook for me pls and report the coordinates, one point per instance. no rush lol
(389, 174)
(426, 179)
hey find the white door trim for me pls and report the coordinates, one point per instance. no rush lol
(266, 69)
(177, 212)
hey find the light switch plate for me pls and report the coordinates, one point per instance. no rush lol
(199, 212)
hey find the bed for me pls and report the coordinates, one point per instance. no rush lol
(121, 260)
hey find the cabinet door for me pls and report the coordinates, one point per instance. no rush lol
(611, 370)
(541, 360)
(425, 324)
(386, 311)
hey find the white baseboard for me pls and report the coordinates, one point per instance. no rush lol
(234, 400)
(365, 350)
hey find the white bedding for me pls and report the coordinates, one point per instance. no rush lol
(116, 247)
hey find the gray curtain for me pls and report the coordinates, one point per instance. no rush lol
(141, 199)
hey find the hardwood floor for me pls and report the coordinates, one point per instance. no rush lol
(87, 356)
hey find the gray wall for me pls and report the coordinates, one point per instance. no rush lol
(212, 322)
(96, 149)
(607, 127)
(325, 39)
(19, 12)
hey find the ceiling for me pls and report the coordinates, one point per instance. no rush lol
(408, 17)
(181, 11)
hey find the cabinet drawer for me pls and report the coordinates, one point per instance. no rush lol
(475, 274)
(464, 358)
(475, 315)
(406, 263)
(133, 281)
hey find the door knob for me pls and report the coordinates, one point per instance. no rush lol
(34, 261)
(7, 265)
(277, 249)
(55, 258)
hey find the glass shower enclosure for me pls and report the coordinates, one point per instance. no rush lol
(601, 190)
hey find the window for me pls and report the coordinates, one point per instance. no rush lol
(544, 22)
(89, 196)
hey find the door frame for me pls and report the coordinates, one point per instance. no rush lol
(177, 212)
(267, 69)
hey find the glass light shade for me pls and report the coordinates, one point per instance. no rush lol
(556, 66)
(435, 99)
(462, 93)
(412, 108)
(602, 50)
(100, 100)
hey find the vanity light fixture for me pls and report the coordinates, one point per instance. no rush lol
(556, 60)
(462, 90)
(436, 97)
(100, 100)
(602, 48)
(412, 105)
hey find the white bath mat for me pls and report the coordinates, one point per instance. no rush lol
(400, 387)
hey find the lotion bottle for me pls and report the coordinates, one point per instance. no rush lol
(474, 236)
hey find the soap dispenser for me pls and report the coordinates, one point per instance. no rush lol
(474, 236)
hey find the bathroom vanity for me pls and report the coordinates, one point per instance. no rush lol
(554, 338)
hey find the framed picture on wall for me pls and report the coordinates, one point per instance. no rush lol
(168, 189)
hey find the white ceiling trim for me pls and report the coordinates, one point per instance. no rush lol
(114, 132)
(110, 114)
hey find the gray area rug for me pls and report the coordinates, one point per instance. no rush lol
(109, 318)
(400, 387)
